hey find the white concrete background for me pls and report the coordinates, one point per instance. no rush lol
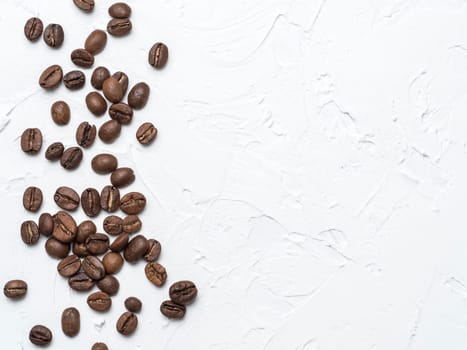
(309, 174)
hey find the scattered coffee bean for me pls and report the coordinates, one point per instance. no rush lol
(104, 163)
(183, 292)
(93, 267)
(110, 198)
(54, 35)
(40, 335)
(122, 79)
(96, 42)
(65, 227)
(127, 323)
(110, 131)
(84, 5)
(60, 112)
(81, 282)
(15, 289)
(109, 284)
(158, 55)
(136, 248)
(69, 266)
(146, 133)
(120, 242)
(91, 202)
(74, 80)
(133, 304)
(31, 141)
(82, 58)
(139, 95)
(154, 251)
(156, 273)
(133, 203)
(57, 249)
(122, 177)
(121, 112)
(112, 89)
(99, 346)
(131, 224)
(46, 224)
(97, 243)
(85, 134)
(113, 262)
(119, 26)
(71, 158)
(96, 103)
(51, 77)
(29, 232)
(98, 77)
(85, 229)
(33, 29)
(120, 10)
(99, 301)
(32, 199)
(66, 198)
(71, 321)
(80, 249)
(113, 225)
(172, 310)
(54, 151)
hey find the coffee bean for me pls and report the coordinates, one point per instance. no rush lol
(33, 29)
(109, 284)
(82, 58)
(71, 158)
(99, 346)
(110, 199)
(155, 273)
(54, 35)
(96, 42)
(57, 249)
(84, 5)
(74, 80)
(172, 310)
(32, 199)
(121, 112)
(54, 151)
(46, 224)
(15, 289)
(97, 243)
(120, 242)
(110, 131)
(136, 248)
(133, 304)
(71, 321)
(154, 251)
(122, 79)
(96, 103)
(183, 292)
(104, 163)
(51, 77)
(119, 26)
(112, 89)
(66, 198)
(98, 77)
(146, 133)
(40, 335)
(158, 55)
(113, 262)
(99, 301)
(29, 232)
(80, 249)
(139, 95)
(85, 229)
(60, 112)
(127, 323)
(133, 203)
(81, 282)
(120, 10)
(91, 202)
(69, 266)
(85, 134)
(122, 177)
(93, 267)
(65, 227)
(31, 141)
(131, 224)
(113, 225)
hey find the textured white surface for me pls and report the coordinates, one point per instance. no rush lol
(309, 174)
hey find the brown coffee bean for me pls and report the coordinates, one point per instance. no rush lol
(71, 158)
(109, 284)
(97, 243)
(110, 131)
(51, 77)
(183, 292)
(33, 29)
(133, 304)
(60, 112)
(57, 249)
(71, 321)
(113, 262)
(74, 80)
(54, 35)
(93, 267)
(31, 141)
(121, 112)
(156, 273)
(96, 104)
(127, 323)
(119, 26)
(112, 89)
(99, 301)
(29, 232)
(120, 10)
(104, 163)
(122, 79)
(98, 77)
(133, 203)
(32, 198)
(54, 151)
(122, 177)
(65, 227)
(158, 55)
(85, 229)
(110, 198)
(136, 248)
(120, 242)
(82, 58)
(40, 335)
(153, 252)
(81, 282)
(96, 42)
(91, 202)
(172, 310)
(69, 266)
(80, 249)
(131, 224)
(113, 225)
(84, 5)
(66, 198)
(99, 346)
(15, 289)
(85, 134)
(46, 224)
(146, 133)
(139, 95)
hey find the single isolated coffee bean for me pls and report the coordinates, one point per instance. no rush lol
(80, 249)
(154, 251)
(98, 77)
(51, 77)
(156, 273)
(66, 198)
(122, 177)
(183, 292)
(40, 335)
(109, 284)
(91, 202)
(85, 229)
(57, 249)
(54, 35)
(85, 134)
(81, 282)
(93, 267)
(120, 10)
(133, 203)
(46, 224)
(71, 158)
(69, 266)
(32, 199)
(96, 103)
(119, 26)
(71, 321)
(120, 242)
(122, 79)
(31, 141)
(113, 262)
(110, 131)
(110, 198)
(112, 89)
(133, 304)
(146, 133)
(139, 95)
(15, 289)
(74, 80)
(172, 310)
(96, 42)
(97, 243)
(99, 301)
(84, 5)
(82, 58)
(113, 225)
(30, 232)
(127, 323)
(54, 151)
(121, 112)
(158, 55)
(60, 112)
(136, 248)
(104, 163)
(33, 29)
(131, 224)
(65, 227)
(99, 346)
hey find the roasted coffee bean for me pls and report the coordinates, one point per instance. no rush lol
(99, 346)
(31, 141)
(51, 77)
(32, 198)
(85, 134)
(119, 26)
(183, 292)
(131, 224)
(99, 301)
(46, 224)
(74, 80)
(57, 249)
(110, 199)
(15, 289)
(112, 89)
(93, 267)
(69, 266)
(65, 227)
(154, 251)
(113, 225)
(84, 5)
(110, 131)
(127, 323)
(133, 304)
(66, 198)
(156, 273)
(98, 77)
(109, 284)
(82, 58)
(122, 79)
(139, 95)
(133, 203)
(172, 310)
(60, 112)
(33, 29)
(81, 282)
(91, 202)
(96, 104)
(71, 158)
(54, 35)
(122, 177)
(29, 232)
(113, 262)
(121, 112)
(85, 229)
(104, 163)
(96, 42)
(40, 335)
(80, 249)
(120, 10)
(146, 133)
(71, 321)
(136, 248)
(97, 243)
(158, 55)
(54, 151)
(120, 242)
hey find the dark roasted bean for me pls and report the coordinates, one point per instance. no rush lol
(33, 29)
(31, 141)
(54, 151)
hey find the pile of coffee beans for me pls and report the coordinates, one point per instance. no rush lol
(87, 257)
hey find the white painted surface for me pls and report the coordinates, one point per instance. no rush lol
(310, 172)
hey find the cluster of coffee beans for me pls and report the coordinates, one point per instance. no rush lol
(95, 260)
